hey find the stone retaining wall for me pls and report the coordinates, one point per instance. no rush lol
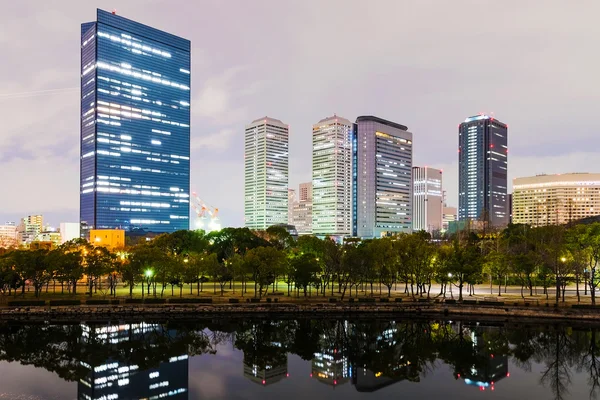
(180, 311)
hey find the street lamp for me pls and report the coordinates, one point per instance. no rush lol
(148, 274)
(563, 259)
(450, 281)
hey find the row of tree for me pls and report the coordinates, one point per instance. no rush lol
(551, 256)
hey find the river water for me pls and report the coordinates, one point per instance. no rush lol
(299, 359)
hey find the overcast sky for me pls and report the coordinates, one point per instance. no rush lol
(427, 64)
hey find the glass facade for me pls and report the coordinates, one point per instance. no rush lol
(135, 127)
(482, 166)
(332, 177)
(383, 178)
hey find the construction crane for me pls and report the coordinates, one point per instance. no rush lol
(207, 217)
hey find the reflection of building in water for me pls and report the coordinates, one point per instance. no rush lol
(387, 365)
(113, 380)
(488, 367)
(267, 374)
(265, 358)
(330, 367)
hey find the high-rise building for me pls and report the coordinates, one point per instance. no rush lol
(291, 202)
(135, 127)
(482, 170)
(555, 199)
(427, 199)
(302, 210)
(332, 176)
(29, 228)
(382, 178)
(305, 191)
(266, 173)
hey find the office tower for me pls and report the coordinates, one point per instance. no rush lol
(382, 178)
(302, 210)
(482, 170)
(135, 127)
(427, 199)
(555, 199)
(291, 202)
(332, 177)
(266, 173)
(29, 228)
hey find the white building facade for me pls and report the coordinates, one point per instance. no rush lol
(427, 199)
(266, 163)
(332, 177)
(555, 199)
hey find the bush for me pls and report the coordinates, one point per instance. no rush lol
(268, 299)
(450, 301)
(191, 300)
(332, 300)
(64, 302)
(351, 300)
(152, 300)
(384, 300)
(26, 303)
(134, 301)
(366, 299)
(233, 301)
(254, 300)
(97, 302)
(471, 302)
(398, 300)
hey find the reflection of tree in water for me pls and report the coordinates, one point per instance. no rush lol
(60, 348)
(391, 350)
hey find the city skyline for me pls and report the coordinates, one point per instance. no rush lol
(424, 86)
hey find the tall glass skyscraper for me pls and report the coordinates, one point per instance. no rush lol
(266, 162)
(135, 126)
(482, 170)
(332, 177)
(382, 178)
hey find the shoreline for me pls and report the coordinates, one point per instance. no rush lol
(176, 312)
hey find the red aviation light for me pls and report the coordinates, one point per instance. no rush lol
(508, 374)
(335, 382)
(263, 382)
(114, 11)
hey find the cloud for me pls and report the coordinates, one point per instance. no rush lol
(219, 141)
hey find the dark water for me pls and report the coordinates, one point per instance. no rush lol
(299, 359)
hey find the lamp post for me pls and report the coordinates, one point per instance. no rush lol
(148, 275)
(450, 281)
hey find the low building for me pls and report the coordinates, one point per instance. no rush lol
(112, 239)
(48, 236)
(448, 216)
(555, 199)
(8, 235)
